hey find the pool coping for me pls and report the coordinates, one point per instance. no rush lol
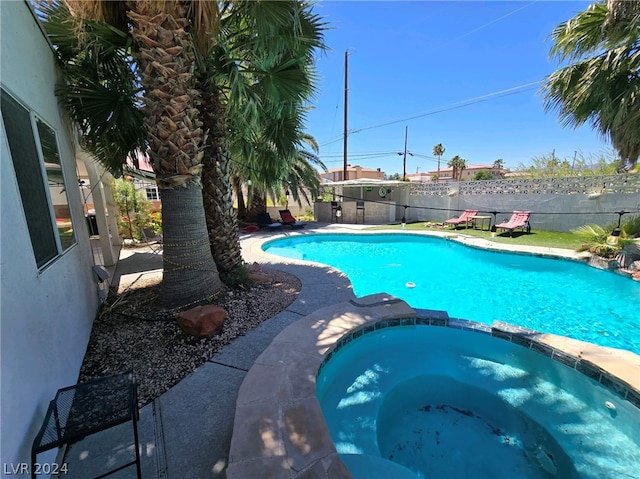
(279, 430)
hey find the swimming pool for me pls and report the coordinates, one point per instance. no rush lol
(424, 401)
(549, 295)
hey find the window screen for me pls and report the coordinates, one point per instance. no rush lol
(32, 183)
(57, 186)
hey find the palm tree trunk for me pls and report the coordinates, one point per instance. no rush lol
(190, 275)
(222, 223)
(166, 60)
(258, 205)
(237, 189)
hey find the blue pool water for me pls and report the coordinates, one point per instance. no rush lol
(437, 402)
(555, 296)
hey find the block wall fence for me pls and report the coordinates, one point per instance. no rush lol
(556, 204)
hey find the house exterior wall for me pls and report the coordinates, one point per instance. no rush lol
(353, 173)
(467, 174)
(45, 315)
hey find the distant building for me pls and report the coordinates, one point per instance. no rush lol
(420, 177)
(446, 173)
(353, 173)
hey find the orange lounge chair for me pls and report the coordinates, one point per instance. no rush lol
(463, 218)
(519, 219)
(289, 220)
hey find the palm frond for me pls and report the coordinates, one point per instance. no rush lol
(601, 85)
(101, 92)
(591, 231)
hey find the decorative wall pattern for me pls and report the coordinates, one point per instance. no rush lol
(592, 185)
(556, 204)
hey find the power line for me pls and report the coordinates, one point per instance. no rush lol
(494, 21)
(452, 106)
(460, 104)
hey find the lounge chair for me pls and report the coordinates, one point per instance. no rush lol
(463, 218)
(265, 221)
(289, 220)
(519, 219)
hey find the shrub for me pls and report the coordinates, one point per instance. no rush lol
(134, 211)
(631, 227)
(596, 239)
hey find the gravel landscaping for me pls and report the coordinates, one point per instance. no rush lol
(131, 332)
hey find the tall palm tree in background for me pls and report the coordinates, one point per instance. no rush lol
(458, 164)
(462, 166)
(601, 85)
(438, 151)
(164, 46)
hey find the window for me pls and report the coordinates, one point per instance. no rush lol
(35, 156)
(152, 193)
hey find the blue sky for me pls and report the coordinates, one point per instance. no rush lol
(422, 65)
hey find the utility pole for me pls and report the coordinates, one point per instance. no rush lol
(346, 90)
(404, 159)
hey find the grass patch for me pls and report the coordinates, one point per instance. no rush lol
(549, 239)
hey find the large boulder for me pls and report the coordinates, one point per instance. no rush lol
(202, 321)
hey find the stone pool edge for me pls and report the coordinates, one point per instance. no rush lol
(279, 430)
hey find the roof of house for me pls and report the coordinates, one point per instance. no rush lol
(469, 167)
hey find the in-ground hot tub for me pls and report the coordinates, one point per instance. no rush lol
(577, 413)
(455, 403)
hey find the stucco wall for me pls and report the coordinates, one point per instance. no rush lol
(46, 315)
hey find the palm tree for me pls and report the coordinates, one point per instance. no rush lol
(461, 167)
(271, 156)
(220, 215)
(600, 84)
(276, 42)
(438, 151)
(499, 165)
(458, 164)
(164, 51)
(221, 218)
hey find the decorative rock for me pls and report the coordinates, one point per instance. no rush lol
(202, 321)
(603, 263)
(256, 274)
(258, 277)
(636, 275)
